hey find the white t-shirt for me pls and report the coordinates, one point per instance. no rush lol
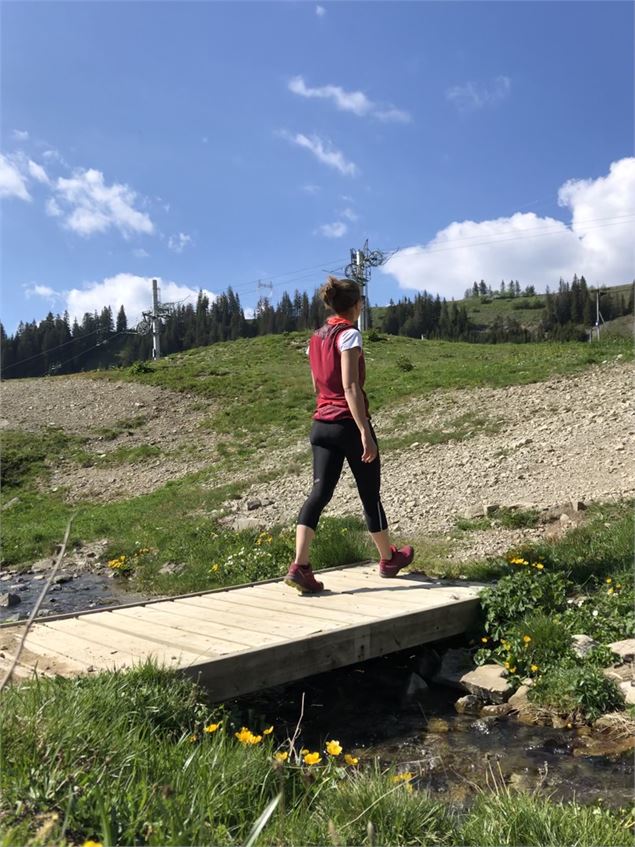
(348, 339)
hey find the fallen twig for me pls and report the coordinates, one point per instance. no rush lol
(36, 608)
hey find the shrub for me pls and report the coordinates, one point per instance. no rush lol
(404, 364)
(577, 692)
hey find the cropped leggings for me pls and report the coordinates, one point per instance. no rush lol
(332, 442)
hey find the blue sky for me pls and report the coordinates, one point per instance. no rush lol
(215, 144)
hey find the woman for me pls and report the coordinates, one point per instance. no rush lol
(342, 430)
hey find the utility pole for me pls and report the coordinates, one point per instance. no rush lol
(156, 325)
(152, 320)
(359, 271)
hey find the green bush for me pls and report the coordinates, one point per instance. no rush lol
(606, 614)
(530, 588)
(404, 363)
(576, 692)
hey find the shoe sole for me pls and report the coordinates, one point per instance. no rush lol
(301, 588)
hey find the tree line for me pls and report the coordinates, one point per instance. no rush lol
(99, 340)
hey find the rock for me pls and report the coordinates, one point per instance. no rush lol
(578, 505)
(42, 565)
(519, 700)
(602, 746)
(428, 662)
(624, 649)
(488, 682)
(474, 512)
(241, 524)
(455, 663)
(582, 644)
(470, 704)
(437, 725)
(415, 688)
(253, 504)
(12, 502)
(628, 690)
(171, 568)
(9, 600)
(61, 578)
(496, 710)
(490, 508)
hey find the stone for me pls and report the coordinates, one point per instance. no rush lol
(519, 700)
(474, 512)
(253, 504)
(469, 704)
(582, 645)
(455, 663)
(628, 690)
(428, 662)
(488, 682)
(624, 649)
(578, 505)
(42, 565)
(415, 688)
(12, 502)
(490, 508)
(8, 600)
(496, 710)
(437, 725)
(241, 524)
(171, 568)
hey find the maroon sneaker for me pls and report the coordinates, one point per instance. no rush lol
(400, 559)
(301, 577)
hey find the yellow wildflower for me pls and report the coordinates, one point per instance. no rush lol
(540, 566)
(350, 760)
(506, 664)
(608, 579)
(215, 567)
(484, 640)
(534, 668)
(512, 670)
(267, 731)
(246, 736)
(212, 727)
(312, 758)
(610, 591)
(92, 844)
(619, 585)
(193, 738)
(282, 756)
(333, 748)
(526, 638)
(406, 776)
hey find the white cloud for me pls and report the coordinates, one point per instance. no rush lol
(40, 291)
(335, 230)
(92, 206)
(324, 152)
(350, 215)
(179, 242)
(348, 101)
(140, 253)
(320, 11)
(311, 189)
(52, 208)
(473, 95)
(537, 251)
(11, 180)
(20, 134)
(37, 172)
(134, 292)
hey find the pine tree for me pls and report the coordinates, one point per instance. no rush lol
(122, 320)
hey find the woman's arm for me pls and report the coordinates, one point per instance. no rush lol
(355, 400)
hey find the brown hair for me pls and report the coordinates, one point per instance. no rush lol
(340, 294)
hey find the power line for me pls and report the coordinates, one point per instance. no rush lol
(50, 350)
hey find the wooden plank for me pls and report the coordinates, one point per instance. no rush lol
(360, 601)
(240, 619)
(193, 631)
(295, 604)
(274, 665)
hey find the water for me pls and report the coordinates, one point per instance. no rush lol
(452, 756)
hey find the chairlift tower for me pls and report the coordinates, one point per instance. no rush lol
(151, 321)
(359, 271)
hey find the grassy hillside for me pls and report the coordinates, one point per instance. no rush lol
(527, 310)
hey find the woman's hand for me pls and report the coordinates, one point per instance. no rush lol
(369, 446)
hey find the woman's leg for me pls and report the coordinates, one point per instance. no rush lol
(328, 460)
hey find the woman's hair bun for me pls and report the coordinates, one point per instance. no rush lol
(340, 294)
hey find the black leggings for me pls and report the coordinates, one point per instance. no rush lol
(332, 442)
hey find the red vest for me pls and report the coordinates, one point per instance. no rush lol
(326, 365)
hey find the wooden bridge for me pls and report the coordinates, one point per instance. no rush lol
(244, 639)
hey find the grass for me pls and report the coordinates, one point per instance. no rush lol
(503, 517)
(460, 428)
(123, 758)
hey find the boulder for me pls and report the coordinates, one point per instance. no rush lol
(582, 644)
(496, 710)
(469, 704)
(625, 649)
(488, 682)
(628, 690)
(519, 700)
(455, 663)
(8, 600)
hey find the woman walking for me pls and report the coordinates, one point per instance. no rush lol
(342, 430)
